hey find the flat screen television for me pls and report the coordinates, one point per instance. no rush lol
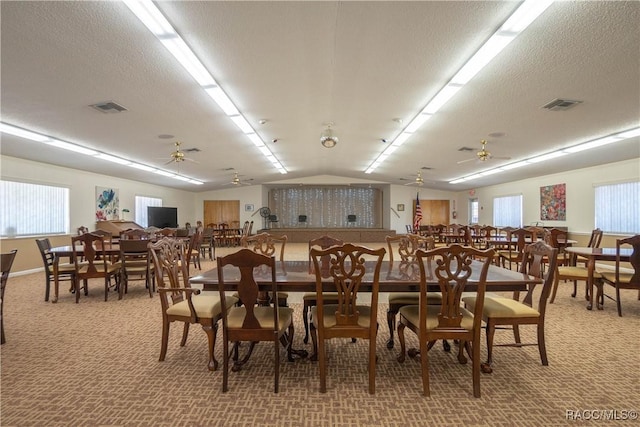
(162, 217)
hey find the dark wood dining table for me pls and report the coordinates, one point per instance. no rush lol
(592, 255)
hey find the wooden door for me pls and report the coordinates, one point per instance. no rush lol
(433, 211)
(217, 211)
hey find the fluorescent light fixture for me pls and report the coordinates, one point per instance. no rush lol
(188, 60)
(141, 167)
(629, 133)
(515, 165)
(223, 101)
(150, 16)
(445, 94)
(193, 181)
(525, 15)
(547, 156)
(22, 133)
(592, 144)
(458, 181)
(256, 139)
(482, 57)
(400, 139)
(71, 147)
(390, 149)
(243, 124)
(113, 159)
(164, 173)
(181, 178)
(491, 172)
(417, 122)
(264, 150)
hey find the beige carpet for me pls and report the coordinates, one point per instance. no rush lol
(96, 364)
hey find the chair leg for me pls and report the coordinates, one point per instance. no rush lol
(424, 360)
(225, 363)
(372, 365)
(210, 330)
(490, 332)
(542, 347)
(556, 280)
(402, 354)
(305, 320)
(475, 356)
(322, 364)
(165, 339)
(618, 301)
(276, 356)
(290, 343)
(185, 334)
(314, 340)
(47, 287)
(391, 321)
(516, 334)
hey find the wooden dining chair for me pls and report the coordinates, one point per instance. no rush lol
(406, 247)
(6, 261)
(134, 234)
(452, 267)
(513, 255)
(96, 264)
(346, 319)
(182, 303)
(514, 312)
(309, 298)
(208, 245)
(620, 279)
(63, 271)
(135, 264)
(252, 322)
(576, 269)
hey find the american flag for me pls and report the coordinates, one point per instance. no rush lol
(418, 218)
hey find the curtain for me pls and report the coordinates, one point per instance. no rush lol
(327, 206)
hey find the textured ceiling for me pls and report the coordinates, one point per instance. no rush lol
(299, 65)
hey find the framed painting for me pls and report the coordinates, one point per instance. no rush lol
(107, 204)
(553, 203)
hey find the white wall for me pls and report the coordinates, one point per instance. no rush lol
(580, 194)
(83, 185)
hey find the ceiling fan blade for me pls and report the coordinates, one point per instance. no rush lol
(190, 160)
(501, 157)
(170, 161)
(467, 160)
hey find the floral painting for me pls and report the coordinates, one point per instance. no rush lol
(107, 204)
(553, 202)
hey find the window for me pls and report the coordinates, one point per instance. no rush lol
(474, 211)
(33, 209)
(616, 208)
(507, 211)
(142, 203)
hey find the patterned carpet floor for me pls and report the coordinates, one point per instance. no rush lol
(96, 364)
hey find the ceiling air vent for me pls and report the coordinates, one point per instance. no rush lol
(191, 150)
(463, 149)
(560, 104)
(109, 107)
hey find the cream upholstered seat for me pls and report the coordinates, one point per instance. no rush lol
(252, 322)
(180, 302)
(620, 279)
(500, 310)
(451, 266)
(346, 265)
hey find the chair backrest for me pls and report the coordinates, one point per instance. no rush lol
(453, 267)
(523, 237)
(6, 261)
(406, 246)
(93, 250)
(44, 245)
(323, 242)
(81, 230)
(347, 266)
(595, 239)
(170, 267)
(166, 232)
(634, 259)
(533, 258)
(246, 260)
(265, 244)
(537, 232)
(133, 246)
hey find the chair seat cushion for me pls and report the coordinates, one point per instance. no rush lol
(579, 272)
(111, 268)
(502, 307)
(610, 276)
(264, 314)
(412, 314)
(206, 306)
(409, 298)
(332, 296)
(66, 268)
(364, 317)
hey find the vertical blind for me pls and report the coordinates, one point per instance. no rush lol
(142, 202)
(32, 209)
(617, 208)
(327, 206)
(507, 211)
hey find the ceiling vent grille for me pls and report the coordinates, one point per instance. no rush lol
(191, 150)
(560, 104)
(109, 107)
(464, 149)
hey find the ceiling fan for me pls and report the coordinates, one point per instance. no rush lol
(178, 155)
(419, 181)
(483, 155)
(236, 180)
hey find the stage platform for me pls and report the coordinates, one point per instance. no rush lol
(351, 234)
